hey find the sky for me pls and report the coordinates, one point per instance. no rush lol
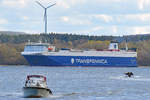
(83, 17)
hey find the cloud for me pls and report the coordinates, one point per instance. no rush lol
(3, 21)
(87, 19)
(75, 21)
(3, 28)
(63, 4)
(65, 19)
(118, 30)
(70, 3)
(114, 29)
(108, 24)
(128, 30)
(141, 30)
(14, 3)
(141, 17)
(97, 28)
(142, 4)
(25, 18)
(132, 19)
(104, 17)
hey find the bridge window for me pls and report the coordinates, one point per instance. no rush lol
(31, 48)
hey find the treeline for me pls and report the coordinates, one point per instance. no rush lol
(21, 38)
(11, 46)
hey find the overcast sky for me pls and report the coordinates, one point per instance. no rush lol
(91, 17)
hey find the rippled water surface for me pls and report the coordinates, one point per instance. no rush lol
(78, 83)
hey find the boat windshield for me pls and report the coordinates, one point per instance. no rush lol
(36, 82)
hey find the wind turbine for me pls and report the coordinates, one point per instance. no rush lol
(45, 13)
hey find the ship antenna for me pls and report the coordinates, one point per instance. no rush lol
(45, 13)
(126, 45)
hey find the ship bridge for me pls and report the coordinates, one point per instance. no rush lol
(32, 48)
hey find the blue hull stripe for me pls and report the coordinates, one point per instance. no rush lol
(40, 60)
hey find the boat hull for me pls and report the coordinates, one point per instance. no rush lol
(97, 61)
(36, 92)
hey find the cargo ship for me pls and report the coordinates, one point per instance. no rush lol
(44, 54)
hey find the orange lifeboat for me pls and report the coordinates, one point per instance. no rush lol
(50, 49)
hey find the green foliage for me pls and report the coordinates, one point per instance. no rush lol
(91, 44)
(10, 55)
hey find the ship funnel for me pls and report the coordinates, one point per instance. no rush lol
(113, 46)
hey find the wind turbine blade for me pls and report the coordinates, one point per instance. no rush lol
(51, 5)
(40, 4)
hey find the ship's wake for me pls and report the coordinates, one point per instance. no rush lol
(10, 94)
(134, 78)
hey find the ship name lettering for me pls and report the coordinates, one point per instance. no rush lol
(103, 61)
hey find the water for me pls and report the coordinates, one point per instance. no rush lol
(78, 83)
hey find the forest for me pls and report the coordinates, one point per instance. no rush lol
(11, 46)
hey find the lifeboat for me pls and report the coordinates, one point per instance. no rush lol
(50, 49)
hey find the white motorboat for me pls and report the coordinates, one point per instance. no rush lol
(36, 87)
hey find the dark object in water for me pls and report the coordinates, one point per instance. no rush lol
(129, 74)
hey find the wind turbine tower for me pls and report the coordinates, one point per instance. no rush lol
(45, 13)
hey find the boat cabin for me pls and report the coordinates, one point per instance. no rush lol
(36, 81)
